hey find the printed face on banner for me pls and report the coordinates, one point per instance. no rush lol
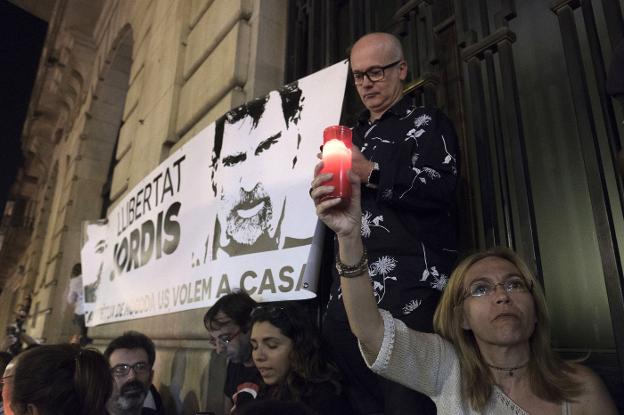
(90, 289)
(95, 272)
(258, 150)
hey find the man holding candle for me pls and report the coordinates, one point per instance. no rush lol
(407, 162)
(248, 165)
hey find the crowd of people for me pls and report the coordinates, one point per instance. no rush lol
(406, 330)
(16, 337)
(71, 379)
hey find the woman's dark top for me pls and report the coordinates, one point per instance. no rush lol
(323, 398)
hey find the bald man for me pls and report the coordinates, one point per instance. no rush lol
(407, 162)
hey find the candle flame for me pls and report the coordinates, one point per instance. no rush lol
(335, 146)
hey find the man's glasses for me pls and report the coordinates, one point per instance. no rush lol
(3, 380)
(224, 339)
(486, 288)
(374, 74)
(123, 369)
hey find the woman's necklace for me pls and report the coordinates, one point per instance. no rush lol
(509, 370)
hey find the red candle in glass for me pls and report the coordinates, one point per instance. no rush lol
(337, 160)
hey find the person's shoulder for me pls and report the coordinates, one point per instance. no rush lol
(434, 113)
(585, 376)
(427, 117)
(435, 120)
(594, 397)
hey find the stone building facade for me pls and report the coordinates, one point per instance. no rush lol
(121, 85)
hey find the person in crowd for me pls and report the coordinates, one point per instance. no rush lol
(131, 358)
(60, 379)
(75, 297)
(16, 339)
(228, 324)
(286, 349)
(491, 353)
(406, 158)
(5, 359)
(13, 342)
(22, 312)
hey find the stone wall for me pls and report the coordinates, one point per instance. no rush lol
(121, 85)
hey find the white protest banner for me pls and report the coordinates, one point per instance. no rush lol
(228, 210)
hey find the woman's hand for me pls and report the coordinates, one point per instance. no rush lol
(357, 293)
(345, 222)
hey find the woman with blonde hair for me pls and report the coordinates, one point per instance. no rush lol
(491, 352)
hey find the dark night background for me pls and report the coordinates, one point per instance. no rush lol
(21, 40)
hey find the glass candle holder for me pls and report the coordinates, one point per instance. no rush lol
(337, 143)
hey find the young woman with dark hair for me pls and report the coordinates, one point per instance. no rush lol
(61, 380)
(287, 350)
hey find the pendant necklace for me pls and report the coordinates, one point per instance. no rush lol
(509, 370)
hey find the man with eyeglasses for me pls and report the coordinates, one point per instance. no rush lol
(227, 322)
(406, 158)
(131, 358)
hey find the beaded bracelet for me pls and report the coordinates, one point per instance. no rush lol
(352, 271)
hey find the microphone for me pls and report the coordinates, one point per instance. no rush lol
(247, 392)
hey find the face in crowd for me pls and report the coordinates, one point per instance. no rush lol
(271, 352)
(498, 306)
(227, 337)
(378, 69)
(250, 175)
(132, 377)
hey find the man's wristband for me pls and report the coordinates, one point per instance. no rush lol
(352, 271)
(373, 177)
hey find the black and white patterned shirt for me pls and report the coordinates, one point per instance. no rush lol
(406, 222)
